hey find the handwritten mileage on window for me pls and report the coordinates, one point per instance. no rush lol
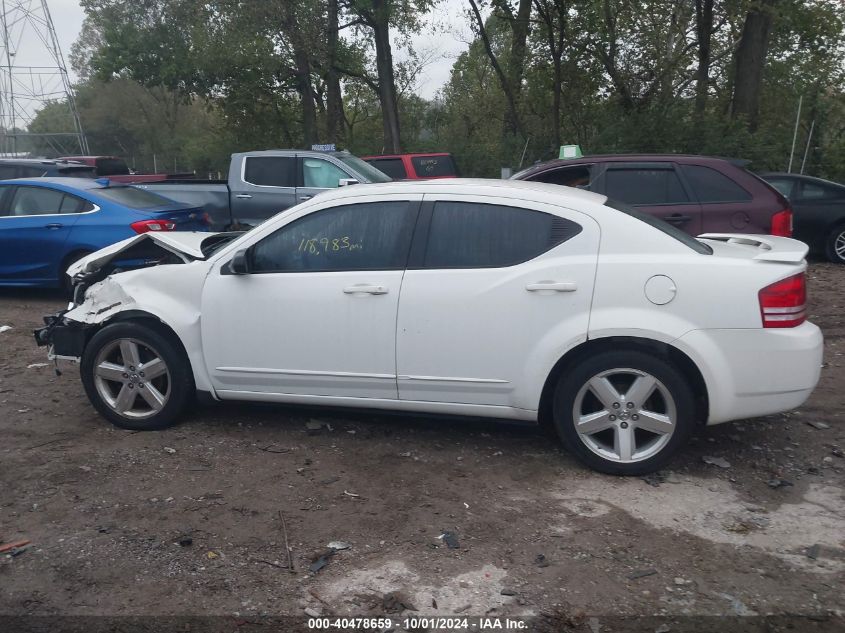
(323, 245)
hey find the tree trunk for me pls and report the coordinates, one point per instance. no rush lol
(516, 64)
(704, 32)
(334, 99)
(750, 61)
(380, 23)
(303, 86)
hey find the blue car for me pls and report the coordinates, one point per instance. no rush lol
(46, 224)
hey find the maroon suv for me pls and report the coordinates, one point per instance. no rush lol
(699, 194)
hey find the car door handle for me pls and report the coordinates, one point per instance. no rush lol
(369, 289)
(555, 286)
(677, 218)
(304, 198)
(243, 196)
(53, 225)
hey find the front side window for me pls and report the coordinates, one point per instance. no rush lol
(270, 171)
(711, 186)
(576, 176)
(36, 201)
(367, 236)
(645, 186)
(470, 235)
(321, 174)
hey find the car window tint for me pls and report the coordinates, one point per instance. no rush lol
(433, 166)
(71, 204)
(32, 172)
(321, 173)
(36, 201)
(7, 172)
(783, 186)
(470, 235)
(645, 186)
(710, 185)
(133, 197)
(393, 167)
(371, 236)
(270, 171)
(812, 191)
(568, 176)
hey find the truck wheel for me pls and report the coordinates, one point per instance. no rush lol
(136, 377)
(835, 245)
(624, 413)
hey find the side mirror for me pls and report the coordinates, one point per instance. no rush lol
(343, 182)
(240, 263)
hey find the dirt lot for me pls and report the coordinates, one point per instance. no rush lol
(538, 534)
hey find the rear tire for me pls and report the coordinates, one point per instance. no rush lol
(136, 376)
(624, 413)
(835, 245)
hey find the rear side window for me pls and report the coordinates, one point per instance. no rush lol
(645, 186)
(393, 167)
(783, 186)
(662, 226)
(372, 236)
(112, 167)
(812, 191)
(712, 186)
(31, 172)
(470, 235)
(433, 166)
(270, 171)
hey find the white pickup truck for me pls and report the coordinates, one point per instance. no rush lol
(262, 183)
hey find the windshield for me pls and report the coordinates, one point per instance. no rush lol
(134, 198)
(660, 225)
(365, 169)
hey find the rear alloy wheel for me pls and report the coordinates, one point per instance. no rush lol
(136, 377)
(835, 248)
(624, 413)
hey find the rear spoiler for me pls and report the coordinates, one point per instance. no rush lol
(772, 247)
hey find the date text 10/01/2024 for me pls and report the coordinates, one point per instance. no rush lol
(418, 623)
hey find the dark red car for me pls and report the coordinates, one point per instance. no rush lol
(698, 194)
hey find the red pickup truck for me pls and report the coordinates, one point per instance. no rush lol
(421, 166)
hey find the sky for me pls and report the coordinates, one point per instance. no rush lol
(444, 37)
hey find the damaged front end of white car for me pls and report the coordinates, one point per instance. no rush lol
(100, 283)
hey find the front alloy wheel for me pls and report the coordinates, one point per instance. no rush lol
(137, 375)
(624, 412)
(132, 378)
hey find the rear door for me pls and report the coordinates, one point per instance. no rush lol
(491, 290)
(35, 223)
(266, 186)
(817, 206)
(655, 188)
(726, 206)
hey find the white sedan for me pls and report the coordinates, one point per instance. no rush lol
(500, 299)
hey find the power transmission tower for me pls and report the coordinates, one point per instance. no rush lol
(33, 75)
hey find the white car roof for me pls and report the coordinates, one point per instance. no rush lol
(537, 191)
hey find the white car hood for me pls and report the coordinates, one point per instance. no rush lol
(187, 245)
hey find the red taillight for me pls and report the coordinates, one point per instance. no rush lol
(782, 223)
(144, 226)
(783, 304)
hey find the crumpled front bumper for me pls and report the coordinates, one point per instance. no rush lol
(65, 338)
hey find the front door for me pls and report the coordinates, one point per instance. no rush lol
(494, 285)
(316, 315)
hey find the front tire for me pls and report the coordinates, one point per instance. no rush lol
(835, 245)
(624, 413)
(136, 376)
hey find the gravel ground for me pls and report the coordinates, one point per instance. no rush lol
(192, 520)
